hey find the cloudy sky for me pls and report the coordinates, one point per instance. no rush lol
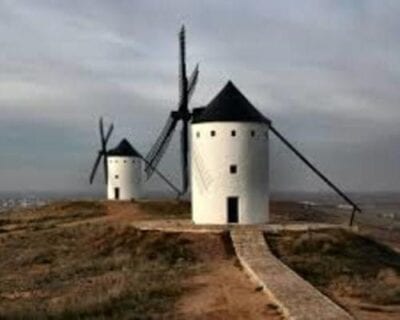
(326, 72)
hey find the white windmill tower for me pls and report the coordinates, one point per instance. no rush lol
(124, 172)
(229, 163)
(229, 166)
(123, 168)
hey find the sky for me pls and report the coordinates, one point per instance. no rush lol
(327, 73)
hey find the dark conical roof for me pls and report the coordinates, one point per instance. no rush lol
(230, 105)
(124, 149)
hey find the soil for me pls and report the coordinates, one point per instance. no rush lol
(225, 292)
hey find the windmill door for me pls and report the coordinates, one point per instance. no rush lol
(116, 193)
(233, 209)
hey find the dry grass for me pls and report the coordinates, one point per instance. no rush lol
(291, 212)
(167, 209)
(92, 271)
(342, 264)
(88, 270)
(49, 216)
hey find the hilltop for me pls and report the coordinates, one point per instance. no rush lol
(84, 259)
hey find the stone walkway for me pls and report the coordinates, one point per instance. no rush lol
(186, 225)
(297, 299)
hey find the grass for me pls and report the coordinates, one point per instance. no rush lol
(342, 263)
(167, 209)
(89, 270)
(92, 272)
(49, 216)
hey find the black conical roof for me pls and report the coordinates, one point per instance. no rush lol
(230, 105)
(124, 149)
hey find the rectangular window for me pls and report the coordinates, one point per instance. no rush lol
(233, 169)
(253, 133)
(233, 133)
(212, 133)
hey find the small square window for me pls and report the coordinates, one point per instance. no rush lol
(233, 168)
(116, 176)
(253, 133)
(133, 161)
(198, 134)
(233, 133)
(124, 161)
(212, 133)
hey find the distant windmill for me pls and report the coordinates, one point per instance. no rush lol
(124, 165)
(186, 87)
(102, 152)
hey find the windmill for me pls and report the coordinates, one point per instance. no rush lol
(128, 150)
(230, 148)
(183, 114)
(102, 153)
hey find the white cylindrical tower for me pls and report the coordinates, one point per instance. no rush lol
(229, 164)
(124, 172)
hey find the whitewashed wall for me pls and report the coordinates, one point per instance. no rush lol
(124, 173)
(212, 181)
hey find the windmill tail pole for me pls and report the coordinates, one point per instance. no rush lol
(318, 173)
(162, 176)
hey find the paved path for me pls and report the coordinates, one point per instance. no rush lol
(297, 299)
(185, 225)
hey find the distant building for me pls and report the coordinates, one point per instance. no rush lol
(124, 172)
(229, 163)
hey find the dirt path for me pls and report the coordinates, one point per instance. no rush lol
(224, 292)
(115, 212)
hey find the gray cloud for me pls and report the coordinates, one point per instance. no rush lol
(326, 72)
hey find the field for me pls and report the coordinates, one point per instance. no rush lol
(354, 270)
(83, 260)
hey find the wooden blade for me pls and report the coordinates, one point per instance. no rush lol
(159, 148)
(101, 128)
(110, 130)
(162, 176)
(105, 167)
(183, 83)
(193, 81)
(96, 164)
(185, 155)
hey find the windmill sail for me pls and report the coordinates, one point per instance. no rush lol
(185, 156)
(160, 147)
(102, 154)
(96, 164)
(186, 90)
(193, 81)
